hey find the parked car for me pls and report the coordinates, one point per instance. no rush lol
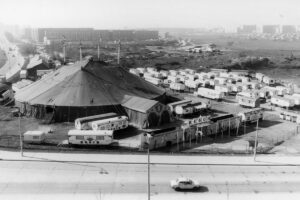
(184, 183)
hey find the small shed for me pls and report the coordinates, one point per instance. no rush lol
(146, 113)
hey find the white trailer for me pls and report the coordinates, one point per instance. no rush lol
(296, 95)
(190, 77)
(90, 137)
(154, 81)
(231, 80)
(156, 74)
(34, 137)
(173, 72)
(255, 85)
(220, 80)
(259, 77)
(148, 75)
(141, 70)
(282, 102)
(212, 82)
(202, 75)
(190, 71)
(181, 78)
(204, 83)
(115, 123)
(210, 93)
(249, 93)
(271, 91)
(296, 99)
(83, 123)
(251, 115)
(182, 72)
(164, 73)
(173, 79)
(236, 88)
(252, 102)
(244, 86)
(211, 75)
(151, 69)
(223, 88)
(268, 80)
(134, 71)
(243, 79)
(192, 84)
(177, 86)
(225, 75)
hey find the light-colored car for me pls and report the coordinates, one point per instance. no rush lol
(184, 184)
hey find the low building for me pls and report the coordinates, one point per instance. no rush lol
(146, 113)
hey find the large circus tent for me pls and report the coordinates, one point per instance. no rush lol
(85, 88)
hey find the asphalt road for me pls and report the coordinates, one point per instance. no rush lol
(109, 181)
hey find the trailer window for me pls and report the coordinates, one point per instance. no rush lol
(99, 137)
(35, 137)
(79, 137)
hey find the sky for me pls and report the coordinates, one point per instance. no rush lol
(129, 14)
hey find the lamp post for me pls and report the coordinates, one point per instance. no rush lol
(148, 172)
(147, 144)
(255, 142)
(20, 134)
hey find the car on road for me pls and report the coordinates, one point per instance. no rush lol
(184, 183)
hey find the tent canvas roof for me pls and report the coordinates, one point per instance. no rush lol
(139, 104)
(87, 83)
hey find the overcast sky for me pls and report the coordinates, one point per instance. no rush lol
(114, 14)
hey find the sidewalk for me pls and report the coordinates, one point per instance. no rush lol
(155, 159)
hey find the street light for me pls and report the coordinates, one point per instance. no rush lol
(147, 144)
(20, 133)
(255, 142)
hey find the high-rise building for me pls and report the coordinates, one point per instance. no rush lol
(247, 29)
(89, 34)
(271, 29)
(288, 29)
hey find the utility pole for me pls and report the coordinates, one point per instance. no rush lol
(255, 142)
(20, 133)
(148, 172)
(119, 51)
(80, 52)
(99, 47)
(64, 47)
